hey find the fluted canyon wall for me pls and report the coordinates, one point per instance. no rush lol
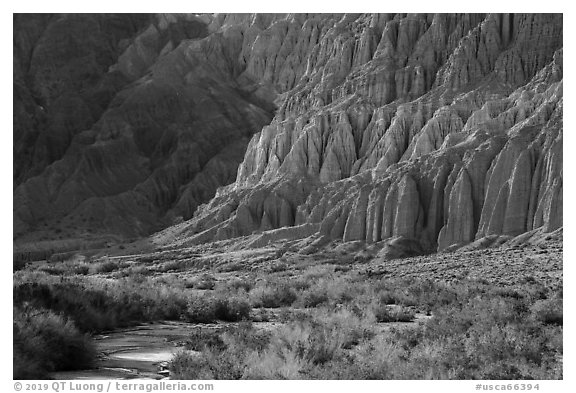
(123, 123)
(439, 129)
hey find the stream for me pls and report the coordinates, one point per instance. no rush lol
(143, 351)
(139, 352)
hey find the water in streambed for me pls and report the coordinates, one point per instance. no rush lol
(143, 351)
(137, 352)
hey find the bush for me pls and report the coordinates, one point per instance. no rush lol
(46, 342)
(208, 309)
(277, 267)
(96, 305)
(186, 365)
(81, 270)
(273, 295)
(388, 297)
(205, 282)
(200, 339)
(385, 313)
(231, 267)
(201, 310)
(476, 332)
(238, 284)
(18, 265)
(172, 266)
(223, 358)
(106, 267)
(233, 309)
(313, 297)
(549, 312)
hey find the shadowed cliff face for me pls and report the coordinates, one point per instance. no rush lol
(124, 123)
(438, 129)
(61, 81)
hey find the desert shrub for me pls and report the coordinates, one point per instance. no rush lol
(507, 292)
(548, 311)
(186, 365)
(66, 268)
(18, 265)
(302, 349)
(384, 313)
(262, 315)
(233, 309)
(387, 297)
(231, 267)
(172, 266)
(107, 266)
(355, 327)
(236, 284)
(208, 309)
(318, 272)
(210, 364)
(329, 290)
(299, 284)
(53, 269)
(277, 267)
(477, 331)
(201, 310)
(96, 305)
(305, 348)
(423, 293)
(322, 344)
(273, 295)
(245, 337)
(342, 268)
(482, 337)
(147, 258)
(137, 272)
(204, 282)
(199, 339)
(82, 269)
(46, 342)
(313, 297)
(223, 358)
(528, 279)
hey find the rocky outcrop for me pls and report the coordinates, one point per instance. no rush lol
(61, 83)
(128, 129)
(437, 129)
(433, 130)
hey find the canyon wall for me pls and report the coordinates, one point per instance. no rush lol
(124, 123)
(438, 129)
(435, 128)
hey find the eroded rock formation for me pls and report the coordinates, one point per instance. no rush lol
(436, 129)
(124, 123)
(440, 129)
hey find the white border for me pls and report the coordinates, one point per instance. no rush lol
(308, 6)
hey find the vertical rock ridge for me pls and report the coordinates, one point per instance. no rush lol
(439, 128)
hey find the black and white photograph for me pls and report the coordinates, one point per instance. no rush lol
(287, 196)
